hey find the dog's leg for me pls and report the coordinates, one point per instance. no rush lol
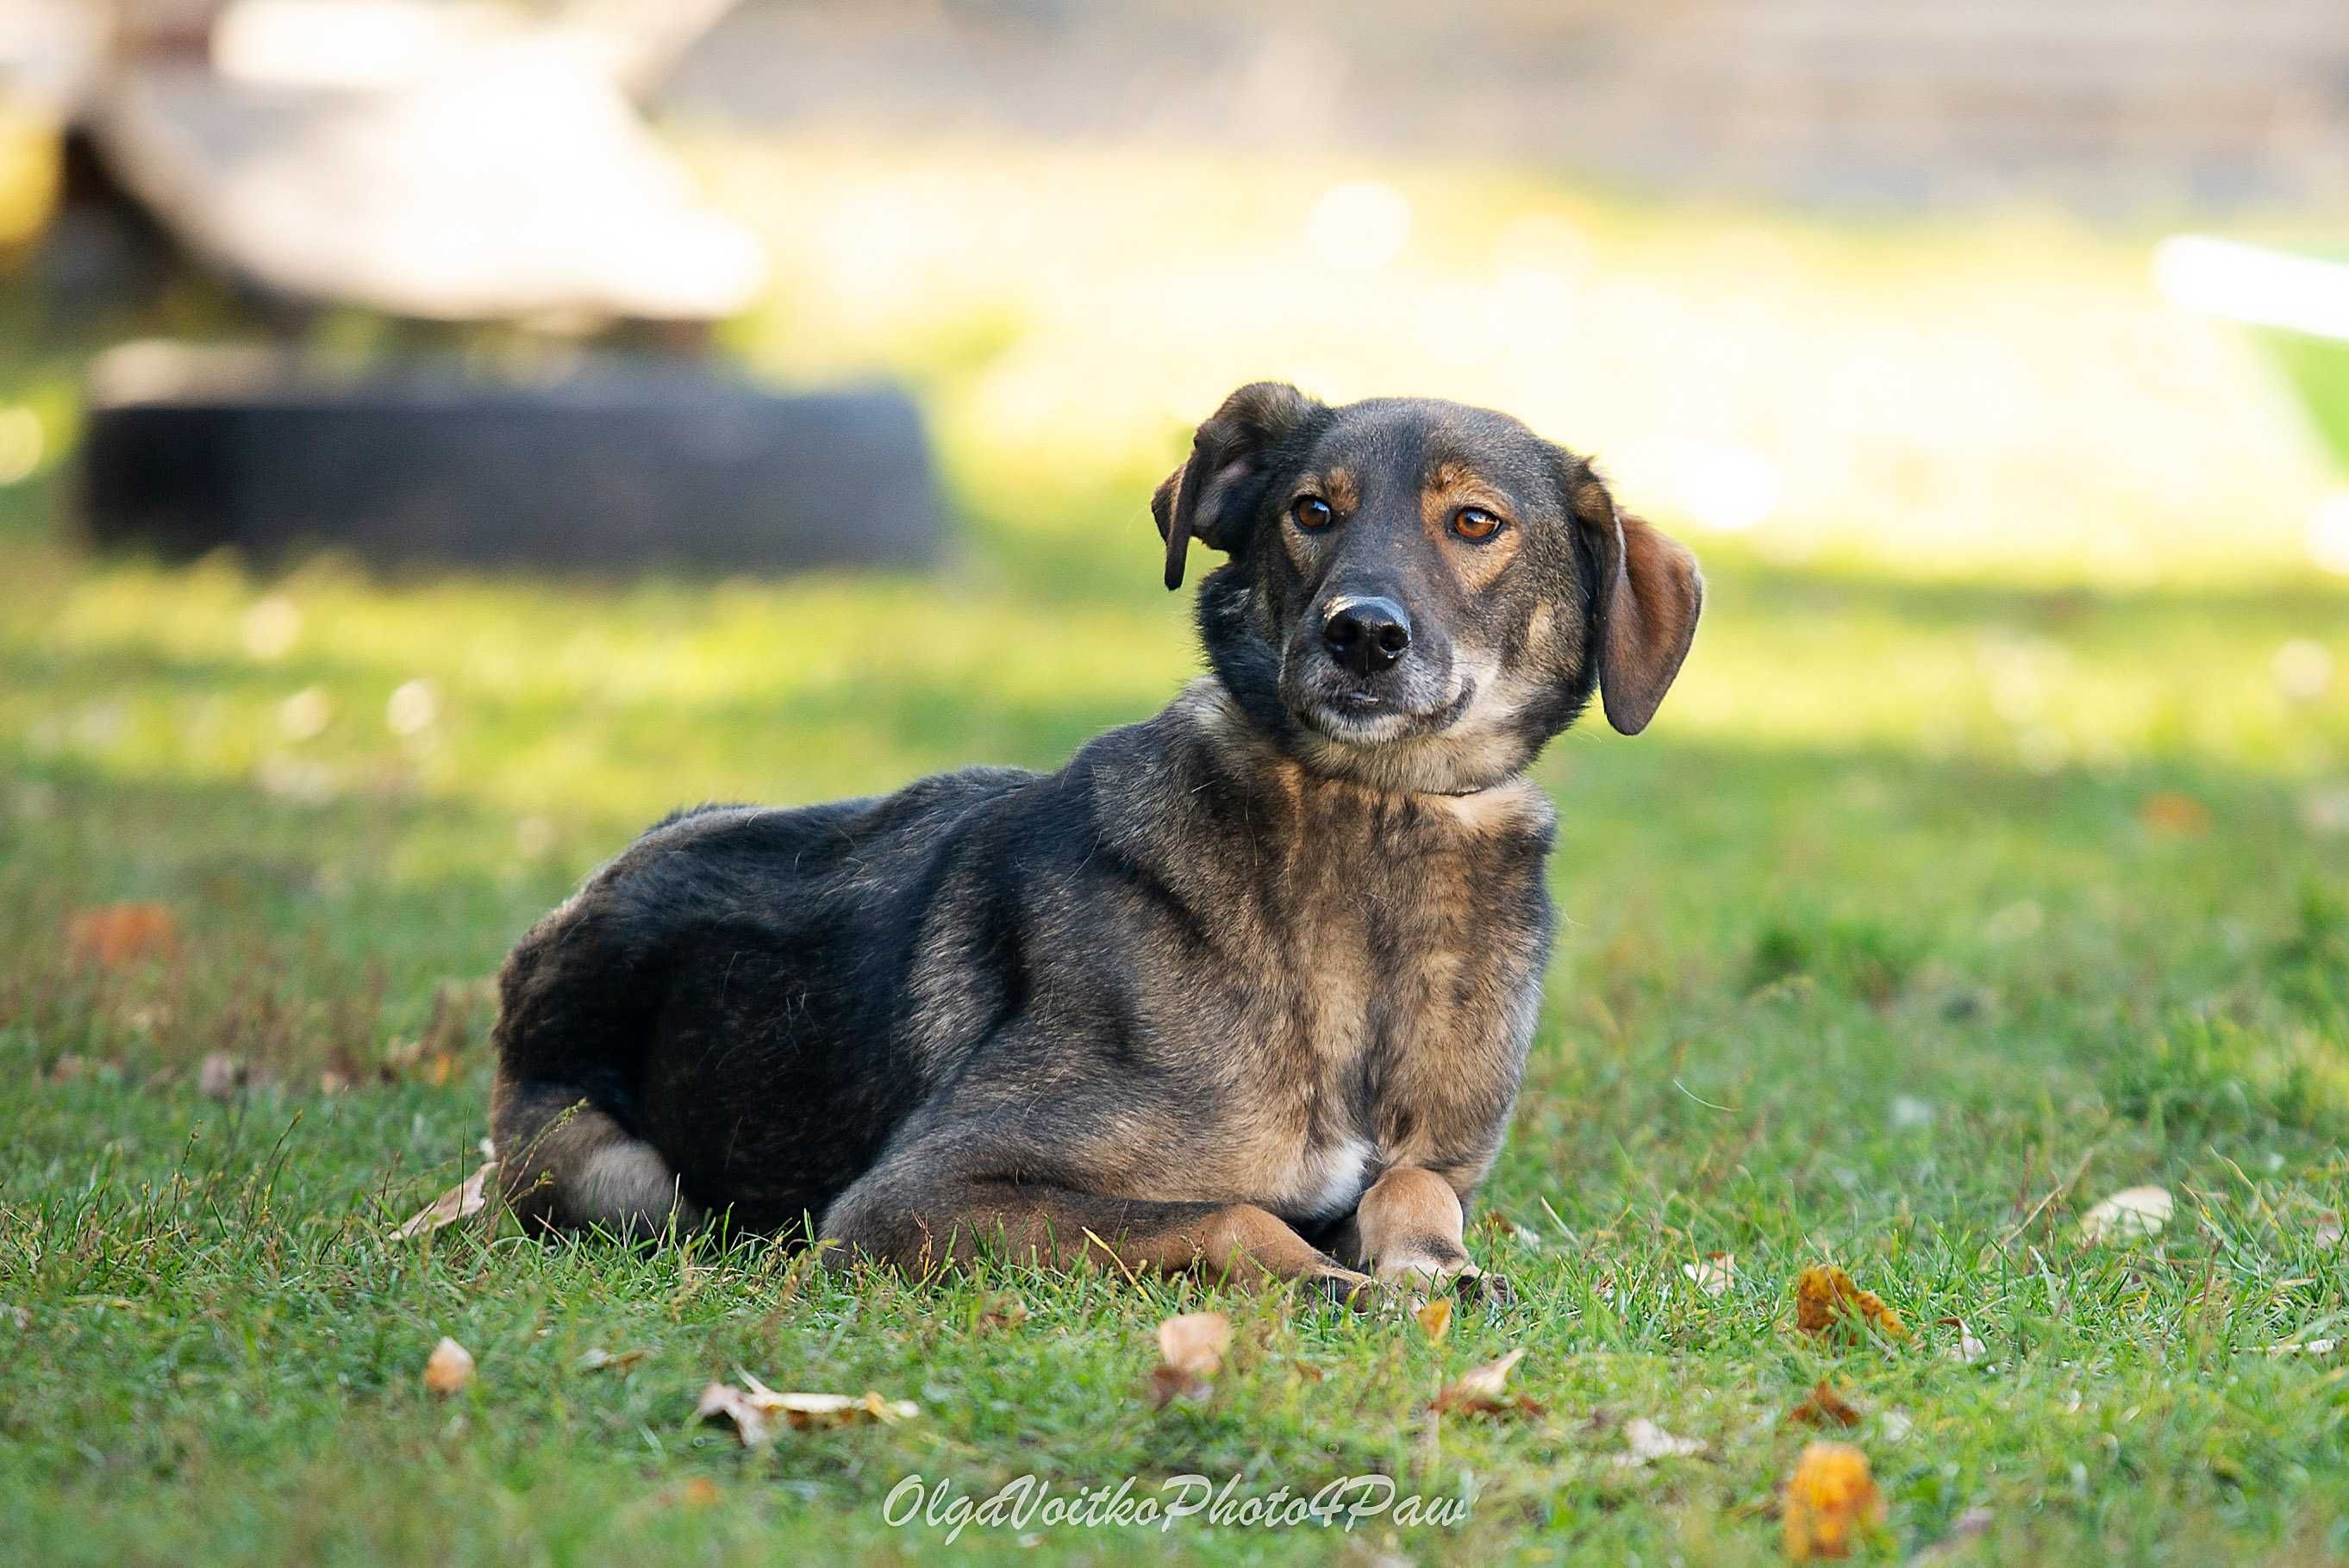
(1407, 1233)
(923, 1223)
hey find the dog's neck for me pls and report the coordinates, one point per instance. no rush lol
(1230, 731)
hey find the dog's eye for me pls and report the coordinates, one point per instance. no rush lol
(1475, 522)
(1311, 512)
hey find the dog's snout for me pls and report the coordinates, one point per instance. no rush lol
(1366, 635)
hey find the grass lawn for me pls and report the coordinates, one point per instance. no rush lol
(1938, 905)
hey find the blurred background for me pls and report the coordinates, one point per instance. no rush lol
(436, 437)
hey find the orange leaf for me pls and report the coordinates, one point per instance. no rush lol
(2179, 816)
(1825, 1294)
(116, 934)
(1435, 1318)
(1831, 1498)
(1823, 1406)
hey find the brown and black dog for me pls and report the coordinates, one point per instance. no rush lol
(1247, 987)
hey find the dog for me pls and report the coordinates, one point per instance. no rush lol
(1245, 988)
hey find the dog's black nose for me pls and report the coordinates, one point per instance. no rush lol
(1366, 635)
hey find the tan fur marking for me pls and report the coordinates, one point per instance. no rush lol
(1448, 487)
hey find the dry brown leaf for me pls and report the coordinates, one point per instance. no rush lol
(116, 934)
(758, 1411)
(700, 1492)
(2128, 1214)
(1435, 1319)
(1830, 1499)
(1713, 1273)
(2326, 1233)
(462, 1202)
(1479, 1391)
(221, 1076)
(1825, 1295)
(449, 1369)
(1823, 1406)
(1649, 1441)
(600, 1361)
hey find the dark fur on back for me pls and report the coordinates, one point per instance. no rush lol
(1184, 999)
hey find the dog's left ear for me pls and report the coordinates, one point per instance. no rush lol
(1210, 495)
(1643, 607)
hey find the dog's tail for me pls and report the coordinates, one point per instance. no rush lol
(573, 1016)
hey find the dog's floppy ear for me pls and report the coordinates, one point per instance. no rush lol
(1209, 495)
(1644, 606)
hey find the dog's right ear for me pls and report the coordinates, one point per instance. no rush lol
(1210, 495)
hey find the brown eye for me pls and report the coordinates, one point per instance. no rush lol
(1311, 512)
(1474, 522)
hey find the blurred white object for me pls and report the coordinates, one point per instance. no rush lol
(2254, 285)
(448, 162)
(1360, 225)
(2328, 533)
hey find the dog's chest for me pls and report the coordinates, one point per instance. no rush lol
(1389, 1027)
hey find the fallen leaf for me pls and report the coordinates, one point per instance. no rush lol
(700, 1492)
(449, 1369)
(116, 934)
(1309, 1372)
(1823, 1406)
(463, 1201)
(756, 1409)
(2179, 816)
(1195, 1341)
(1967, 1350)
(221, 1076)
(2305, 1348)
(1479, 1391)
(1435, 1318)
(1713, 1273)
(608, 1361)
(1831, 1498)
(1825, 1294)
(2327, 1235)
(1001, 1312)
(1648, 1441)
(2128, 1214)
(1192, 1347)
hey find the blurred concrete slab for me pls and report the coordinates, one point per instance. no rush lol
(624, 463)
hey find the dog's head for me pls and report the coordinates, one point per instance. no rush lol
(1419, 594)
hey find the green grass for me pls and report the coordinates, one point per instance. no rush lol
(1933, 909)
